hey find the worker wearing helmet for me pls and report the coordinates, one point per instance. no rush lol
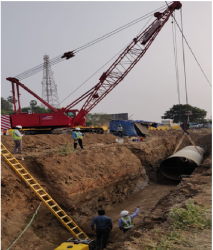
(17, 137)
(120, 131)
(103, 228)
(78, 138)
(126, 221)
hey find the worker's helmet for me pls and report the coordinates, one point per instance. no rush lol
(77, 129)
(124, 213)
(19, 126)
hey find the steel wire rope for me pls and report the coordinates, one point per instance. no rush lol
(176, 61)
(191, 51)
(102, 67)
(58, 59)
(184, 60)
(40, 67)
(119, 29)
(184, 63)
(90, 77)
(145, 25)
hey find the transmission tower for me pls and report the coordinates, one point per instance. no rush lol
(49, 88)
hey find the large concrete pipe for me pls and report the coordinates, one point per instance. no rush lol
(182, 163)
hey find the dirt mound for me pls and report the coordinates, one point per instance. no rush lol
(44, 142)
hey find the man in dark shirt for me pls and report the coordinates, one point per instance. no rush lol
(103, 227)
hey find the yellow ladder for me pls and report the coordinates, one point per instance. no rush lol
(43, 195)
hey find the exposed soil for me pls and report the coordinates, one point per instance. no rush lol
(108, 175)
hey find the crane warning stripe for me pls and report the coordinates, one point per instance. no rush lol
(5, 122)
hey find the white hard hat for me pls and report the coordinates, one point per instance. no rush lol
(77, 129)
(19, 126)
(124, 213)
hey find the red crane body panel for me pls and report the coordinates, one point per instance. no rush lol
(41, 120)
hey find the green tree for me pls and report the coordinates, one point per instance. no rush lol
(178, 113)
(33, 103)
(10, 99)
(5, 112)
(6, 106)
(97, 119)
(37, 110)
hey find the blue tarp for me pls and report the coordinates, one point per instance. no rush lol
(128, 127)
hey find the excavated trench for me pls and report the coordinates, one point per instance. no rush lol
(107, 175)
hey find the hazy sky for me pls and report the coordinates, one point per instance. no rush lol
(29, 30)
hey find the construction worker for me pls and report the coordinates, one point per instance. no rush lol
(126, 221)
(17, 137)
(185, 126)
(120, 131)
(78, 138)
(103, 228)
(4, 132)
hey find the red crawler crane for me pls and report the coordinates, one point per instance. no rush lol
(68, 117)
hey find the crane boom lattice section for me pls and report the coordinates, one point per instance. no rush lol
(123, 65)
(126, 61)
(43, 195)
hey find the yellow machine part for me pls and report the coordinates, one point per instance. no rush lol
(10, 131)
(72, 246)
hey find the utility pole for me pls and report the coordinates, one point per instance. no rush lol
(49, 88)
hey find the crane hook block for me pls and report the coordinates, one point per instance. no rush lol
(68, 55)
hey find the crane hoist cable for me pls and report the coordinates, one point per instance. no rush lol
(184, 60)
(176, 60)
(100, 68)
(70, 54)
(190, 49)
(184, 63)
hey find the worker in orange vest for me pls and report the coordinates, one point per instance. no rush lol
(4, 132)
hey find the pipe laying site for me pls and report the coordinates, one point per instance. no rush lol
(111, 176)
